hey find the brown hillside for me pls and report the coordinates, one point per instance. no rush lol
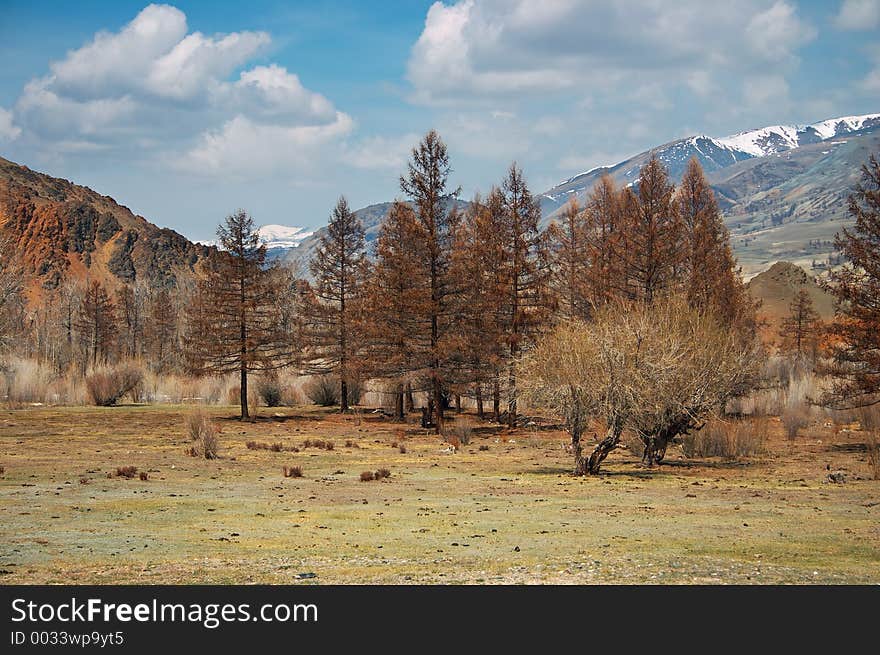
(65, 230)
(777, 286)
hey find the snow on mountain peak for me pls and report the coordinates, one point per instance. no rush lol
(282, 236)
(764, 141)
(832, 127)
(273, 236)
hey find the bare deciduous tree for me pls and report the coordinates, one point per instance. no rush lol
(656, 370)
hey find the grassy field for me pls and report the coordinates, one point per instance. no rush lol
(508, 514)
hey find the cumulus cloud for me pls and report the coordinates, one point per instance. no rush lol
(8, 131)
(858, 15)
(156, 88)
(490, 48)
(245, 148)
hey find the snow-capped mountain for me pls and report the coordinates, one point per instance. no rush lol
(275, 237)
(713, 154)
(282, 236)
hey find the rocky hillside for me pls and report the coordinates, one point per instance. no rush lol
(65, 230)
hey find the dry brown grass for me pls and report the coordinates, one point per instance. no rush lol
(730, 439)
(694, 511)
(204, 435)
(292, 471)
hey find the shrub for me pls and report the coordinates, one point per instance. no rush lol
(874, 458)
(323, 390)
(144, 477)
(869, 417)
(83, 480)
(276, 447)
(794, 418)
(484, 447)
(106, 387)
(351, 444)
(292, 471)
(2, 470)
(367, 476)
(382, 473)
(204, 435)
(402, 449)
(269, 390)
(729, 439)
(127, 472)
(461, 428)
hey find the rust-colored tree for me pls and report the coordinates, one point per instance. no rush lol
(800, 330)
(335, 322)
(567, 242)
(524, 301)
(605, 245)
(11, 284)
(711, 275)
(397, 327)
(96, 324)
(655, 236)
(480, 258)
(236, 318)
(162, 335)
(855, 332)
(425, 183)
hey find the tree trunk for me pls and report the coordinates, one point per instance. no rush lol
(343, 396)
(244, 392)
(496, 401)
(438, 404)
(398, 405)
(458, 403)
(478, 392)
(410, 403)
(511, 395)
(590, 465)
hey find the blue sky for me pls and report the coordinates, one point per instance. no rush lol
(185, 112)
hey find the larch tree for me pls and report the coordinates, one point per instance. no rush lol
(11, 284)
(711, 274)
(478, 265)
(801, 328)
(425, 183)
(855, 332)
(339, 269)
(605, 247)
(162, 336)
(96, 324)
(525, 301)
(398, 338)
(567, 240)
(655, 235)
(236, 321)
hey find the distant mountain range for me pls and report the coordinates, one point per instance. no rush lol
(782, 188)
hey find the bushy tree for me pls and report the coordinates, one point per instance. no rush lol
(656, 370)
(855, 333)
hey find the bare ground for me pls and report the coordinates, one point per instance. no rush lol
(509, 514)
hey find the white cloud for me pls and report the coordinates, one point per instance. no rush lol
(480, 50)
(244, 148)
(775, 34)
(858, 15)
(381, 153)
(154, 89)
(8, 131)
